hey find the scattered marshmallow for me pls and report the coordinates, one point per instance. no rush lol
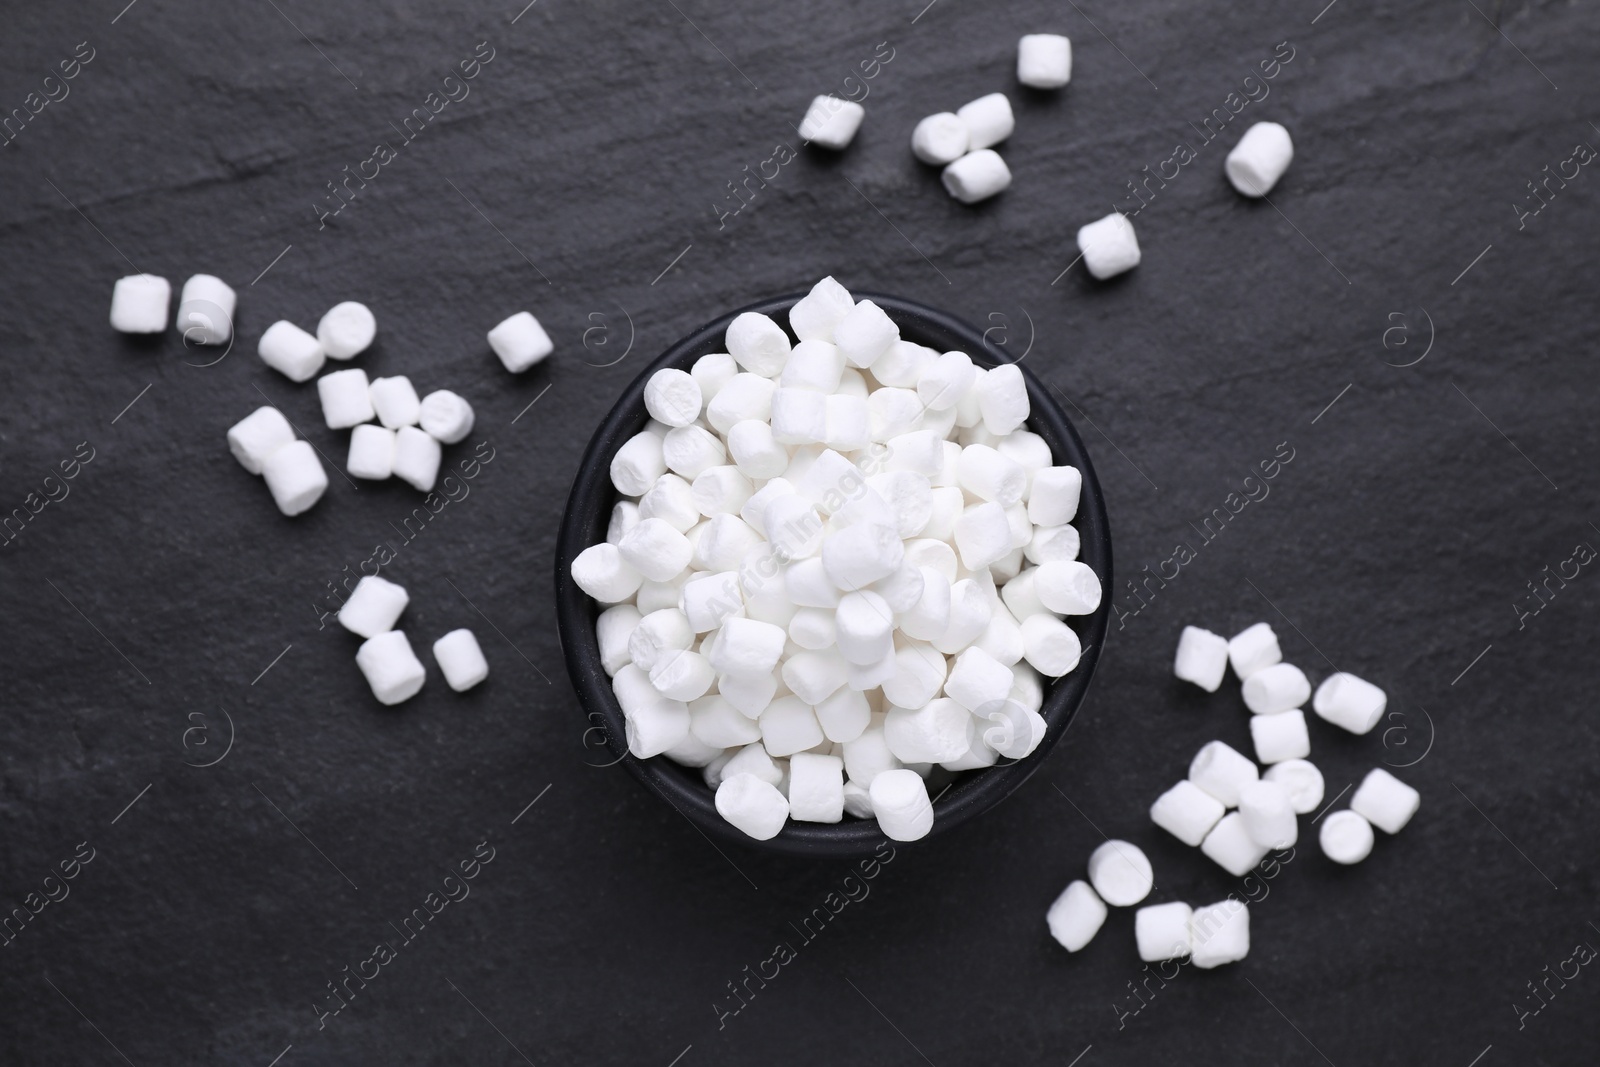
(1385, 801)
(1120, 873)
(520, 342)
(346, 330)
(1076, 916)
(258, 435)
(290, 351)
(205, 310)
(1301, 780)
(1267, 814)
(940, 139)
(371, 453)
(1222, 771)
(831, 122)
(395, 401)
(1219, 933)
(416, 458)
(672, 397)
(976, 176)
(816, 787)
(374, 607)
(346, 400)
(139, 304)
(1162, 930)
(1187, 812)
(1109, 246)
(460, 659)
(390, 667)
(1280, 736)
(1202, 658)
(752, 805)
(1346, 837)
(1276, 688)
(988, 120)
(1253, 648)
(1259, 159)
(1349, 702)
(1069, 588)
(445, 416)
(900, 803)
(295, 477)
(1232, 847)
(1044, 61)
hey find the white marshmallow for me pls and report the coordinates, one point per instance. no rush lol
(1067, 588)
(659, 632)
(857, 556)
(789, 725)
(865, 334)
(653, 596)
(753, 760)
(656, 725)
(1276, 688)
(746, 647)
(1021, 598)
(816, 787)
(688, 451)
(205, 310)
(1053, 495)
(1162, 930)
(637, 464)
(813, 628)
(857, 801)
(865, 676)
(371, 453)
(847, 423)
(1267, 814)
(865, 626)
(977, 679)
(601, 572)
(1219, 933)
(1120, 872)
(807, 584)
(390, 667)
(1187, 812)
(976, 176)
(1003, 400)
(814, 676)
(750, 693)
(900, 803)
(345, 400)
(867, 755)
(1052, 544)
(446, 416)
(1027, 448)
(1350, 702)
(1044, 61)
(831, 122)
(940, 139)
(929, 618)
(799, 416)
(1301, 780)
(679, 674)
(989, 119)
(1202, 658)
(1222, 771)
(655, 549)
(746, 396)
(721, 490)
(935, 555)
(416, 458)
(1109, 246)
(139, 304)
(715, 771)
(903, 364)
(716, 722)
(691, 752)
(940, 730)
(1050, 645)
(845, 715)
(709, 600)
(520, 342)
(920, 673)
(1346, 837)
(814, 315)
(1076, 916)
(289, 350)
(988, 475)
(374, 607)
(672, 397)
(460, 659)
(1280, 736)
(295, 477)
(814, 365)
(1253, 648)
(612, 631)
(711, 372)
(753, 806)
(346, 330)
(624, 517)
(672, 500)
(258, 435)
(982, 535)
(1385, 801)
(970, 612)
(1230, 845)
(394, 400)
(1259, 159)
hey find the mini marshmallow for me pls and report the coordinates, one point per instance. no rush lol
(940, 730)
(1280, 736)
(1385, 801)
(1068, 588)
(390, 667)
(799, 416)
(1253, 648)
(716, 722)
(814, 315)
(976, 176)
(1120, 873)
(446, 417)
(672, 397)
(753, 760)
(1230, 845)
(1219, 933)
(1052, 544)
(345, 399)
(655, 726)
(1187, 812)
(749, 693)
(865, 626)
(929, 618)
(847, 423)
(205, 310)
(460, 659)
(295, 477)
(1162, 930)
(374, 607)
(139, 304)
(1050, 645)
(831, 122)
(857, 801)
(982, 535)
(290, 351)
(679, 674)
(659, 632)
(970, 612)
(807, 584)
(746, 396)
(1109, 246)
(1053, 495)
(690, 752)
(1020, 597)
(671, 499)
(857, 556)
(816, 787)
(1259, 159)
(1222, 771)
(1346, 837)
(977, 679)
(813, 628)
(624, 517)
(258, 435)
(989, 120)
(711, 372)
(867, 755)
(920, 673)
(789, 726)
(655, 549)
(708, 600)
(612, 631)
(1277, 688)
(844, 716)
(1202, 658)
(346, 330)
(903, 364)
(988, 475)
(865, 334)
(900, 803)
(814, 365)
(416, 458)
(520, 342)
(814, 676)
(601, 572)
(395, 401)
(1027, 448)
(940, 139)
(1076, 916)
(746, 647)
(1003, 400)
(1044, 61)
(688, 451)
(753, 806)
(892, 412)
(1301, 780)
(1349, 702)
(637, 464)
(1267, 814)
(654, 596)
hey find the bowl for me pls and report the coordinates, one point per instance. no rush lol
(589, 511)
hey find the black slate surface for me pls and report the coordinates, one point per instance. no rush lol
(161, 606)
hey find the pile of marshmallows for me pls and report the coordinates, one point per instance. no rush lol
(1263, 806)
(839, 568)
(385, 657)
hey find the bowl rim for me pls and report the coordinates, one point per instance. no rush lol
(587, 513)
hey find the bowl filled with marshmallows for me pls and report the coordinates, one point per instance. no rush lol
(831, 572)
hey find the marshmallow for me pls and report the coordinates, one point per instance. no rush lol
(903, 589)
(624, 517)
(345, 399)
(831, 122)
(865, 334)
(847, 423)
(940, 139)
(446, 417)
(1253, 648)
(940, 730)
(814, 676)
(1277, 688)
(679, 674)
(746, 647)
(1280, 736)
(976, 176)
(1350, 702)
(1162, 930)
(416, 458)
(977, 679)
(374, 607)
(654, 725)
(989, 120)
(1346, 837)
(672, 397)
(1052, 544)
(865, 626)
(753, 806)
(653, 596)
(601, 572)
(690, 752)
(867, 755)
(1050, 645)
(394, 400)
(857, 556)
(637, 464)
(919, 674)
(814, 315)
(799, 416)
(1219, 933)
(612, 631)
(346, 330)
(294, 477)
(390, 667)
(844, 715)
(946, 381)
(813, 628)
(460, 659)
(970, 612)
(1109, 246)
(983, 535)
(814, 365)
(988, 475)
(1202, 658)
(903, 364)
(1053, 495)
(1232, 847)
(711, 372)
(1076, 916)
(1187, 812)
(1301, 780)
(1044, 61)
(1069, 588)
(816, 787)
(688, 451)
(289, 350)
(857, 801)
(929, 618)
(750, 693)
(139, 304)
(1385, 801)
(716, 722)
(1221, 771)
(1259, 159)
(1028, 449)
(746, 396)
(789, 726)
(807, 584)
(900, 803)
(205, 310)
(1120, 873)
(258, 435)
(520, 342)
(708, 600)
(672, 500)
(659, 632)
(655, 548)
(1003, 400)
(753, 760)
(1267, 814)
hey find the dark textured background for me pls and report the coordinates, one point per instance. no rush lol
(588, 156)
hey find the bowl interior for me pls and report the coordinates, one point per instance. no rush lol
(588, 513)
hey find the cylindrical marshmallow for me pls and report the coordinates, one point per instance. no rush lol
(346, 401)
(612, 631)
(374, 607)
(746, 647)
(814, 676)
(1301, 780)
(289, 350)
(1162, 930)
(1230, 845)
(1253, 648)
(757, 344)
(654, 725)
(754, 451)
(716, 722)
(746, 396)
(1385, 801)
(1120, 872)
(637, 464)
(1050, 645)
(1068, 588)
(295, 477)
(970, 612)
(845, 715)
(258, 435)
(831, 122)
(460, 659)
(346, 330)
(395, 401)
(1053, 495)
(900, 803)
(789, 725)
(1003, 400)
(1280, 736)
(656, 549)
(520, 342)
(1349, 702)
(1044, 61)
(1267, 814)
(865, 334)
(989, 475)
(976, 176)
(1259, 159)
(688, 451)
(660, 631)
(446, 416)
(601, 572)
(139, 304)
(982, 535)
(672, 397)
(1187, 812)
(976, 679)
(814, 315)
(939, 730)
(1202, 658)
(205, 310)
(857, 556)
(1109, 246)
(865, 626)
(1221, 770)
(711, 372)
(1346, 837)
(753, 806)
(679, 674)
(940, 139)
(1076, 916)
(1219, 933)
(920, 673)
(816, 787)
(989, 120)
(416, 458)
(390, 667)
(1276, 688)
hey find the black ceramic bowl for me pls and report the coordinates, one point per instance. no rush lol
(589, 511)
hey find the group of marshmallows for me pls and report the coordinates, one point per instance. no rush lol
(1234, 812)
(838, 571)
(385, 657)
